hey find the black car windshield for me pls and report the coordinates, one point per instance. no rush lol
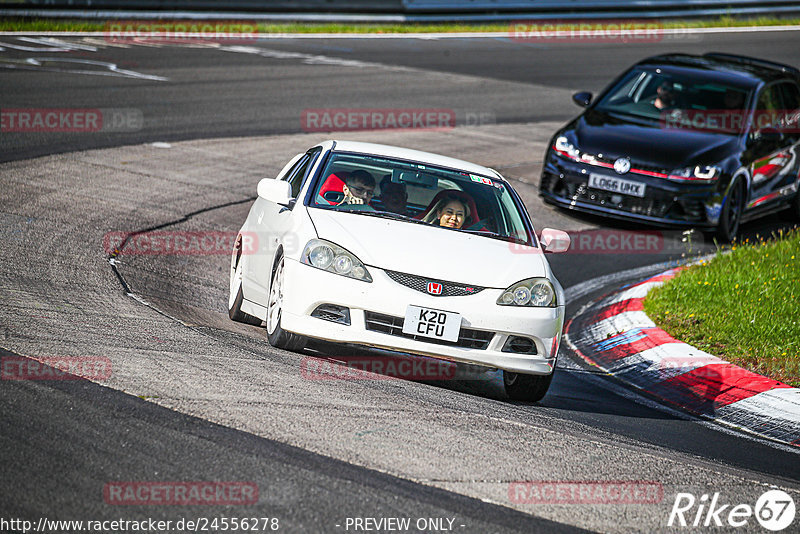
(419, 193)
(679, 100)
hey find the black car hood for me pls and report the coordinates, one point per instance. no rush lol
(649, 142)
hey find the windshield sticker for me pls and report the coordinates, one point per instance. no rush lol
(481, 179)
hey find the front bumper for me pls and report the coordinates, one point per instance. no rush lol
(566, 183)
(306, 288)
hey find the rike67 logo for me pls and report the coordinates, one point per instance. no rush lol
(774, 510)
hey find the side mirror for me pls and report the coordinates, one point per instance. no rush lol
(276, 191)
(583, 99)
(554, 241)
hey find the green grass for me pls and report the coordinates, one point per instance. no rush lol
(743, 306)
(39, 25)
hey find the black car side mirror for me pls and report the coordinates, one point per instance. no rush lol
(583, 99)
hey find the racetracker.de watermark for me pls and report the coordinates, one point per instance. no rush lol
(354, 119)
(55, 368)
(589, 31)
(180, 493)
(378, 368)
(586, 492)
(179, 243)
(786, 121)
(609, 241)
(71, 120)
(181, 31)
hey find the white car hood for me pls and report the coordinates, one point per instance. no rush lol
(428, 251)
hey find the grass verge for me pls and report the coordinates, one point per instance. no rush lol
(743, 306)
(73, 25)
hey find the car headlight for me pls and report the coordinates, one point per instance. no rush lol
(334, 259)
(535, 292)
(567, 149)
(699, 173)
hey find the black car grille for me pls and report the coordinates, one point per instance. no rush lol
(656, 202)
(653, 204)
(420, 283)
(388, 324)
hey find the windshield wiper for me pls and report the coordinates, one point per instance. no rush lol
(495, 235)
(389, 215)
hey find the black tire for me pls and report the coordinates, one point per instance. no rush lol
(276, 335)
(731, 216)
(529, 388)
(235, 312)
(235, 308)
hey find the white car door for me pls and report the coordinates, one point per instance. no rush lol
(273, 225)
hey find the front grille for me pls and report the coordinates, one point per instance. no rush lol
(657, 202)
(388, 324)
(420, 283)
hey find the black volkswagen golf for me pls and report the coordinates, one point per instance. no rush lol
(684, 141)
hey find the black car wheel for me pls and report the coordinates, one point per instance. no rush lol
(530, 388)
(731, 214)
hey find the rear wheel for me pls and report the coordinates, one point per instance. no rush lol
(731, 214)
(530, 388)
(277, 336)
(235, 296)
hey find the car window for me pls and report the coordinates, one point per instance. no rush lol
(657, 95)
(419, 193)
(769, 99)
(298, 173)
(791, 96)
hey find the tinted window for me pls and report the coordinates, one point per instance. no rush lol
(769, 99)
(791, 96)
(656, 95)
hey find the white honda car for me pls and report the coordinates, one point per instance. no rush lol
(401, 250)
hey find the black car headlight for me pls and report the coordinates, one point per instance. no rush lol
(334, 259)
(534, 292)
(565, 148)
(698, 173)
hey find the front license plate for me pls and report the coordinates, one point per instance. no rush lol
(616, 185)
(435, 324)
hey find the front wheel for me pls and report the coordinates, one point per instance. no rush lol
(529, 388)
(277, 336)
(731, 214)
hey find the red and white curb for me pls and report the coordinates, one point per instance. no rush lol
(616, 335)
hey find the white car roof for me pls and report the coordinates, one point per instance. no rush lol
(413, 155)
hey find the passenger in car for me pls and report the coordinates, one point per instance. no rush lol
(359, 188)
(449, 212)
(394, 196)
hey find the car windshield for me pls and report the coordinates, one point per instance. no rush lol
(420, 194)
(679, 100)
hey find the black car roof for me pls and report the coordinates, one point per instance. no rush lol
(742, 69)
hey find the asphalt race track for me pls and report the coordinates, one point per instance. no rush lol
(195, 397)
